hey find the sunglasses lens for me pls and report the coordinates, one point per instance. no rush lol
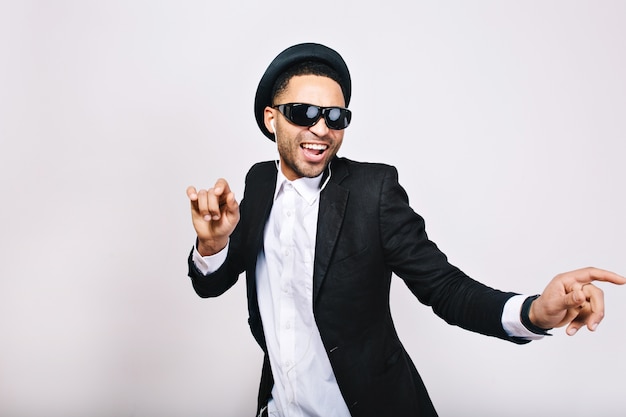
(333, 115)
(338, 118)
(302, 114)
(312, 113)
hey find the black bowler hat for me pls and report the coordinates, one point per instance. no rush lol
(288, 58)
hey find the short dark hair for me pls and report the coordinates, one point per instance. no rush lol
(304, 68)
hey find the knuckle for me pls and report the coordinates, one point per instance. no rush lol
(591, 271)
(595, 291)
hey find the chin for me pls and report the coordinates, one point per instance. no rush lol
(314, 171)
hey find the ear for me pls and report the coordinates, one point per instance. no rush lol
(268, 118)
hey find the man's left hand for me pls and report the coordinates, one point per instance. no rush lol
(571, 298)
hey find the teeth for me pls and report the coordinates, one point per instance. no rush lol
(313, 146)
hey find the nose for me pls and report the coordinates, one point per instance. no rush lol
(320, 128)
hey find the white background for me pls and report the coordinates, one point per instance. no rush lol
(506, 121)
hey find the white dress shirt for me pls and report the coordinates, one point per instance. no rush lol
(304, 382)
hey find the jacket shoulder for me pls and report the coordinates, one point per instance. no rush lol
(345, 167)
(261, 169)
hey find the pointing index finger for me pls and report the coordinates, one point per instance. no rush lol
(588, 275)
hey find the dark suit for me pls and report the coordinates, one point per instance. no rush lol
(366, 231)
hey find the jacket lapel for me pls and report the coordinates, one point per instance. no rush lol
(258, 199)
(262, 199)
(333, 202)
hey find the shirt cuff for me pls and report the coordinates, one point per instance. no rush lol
(512, 322)
(209, 264)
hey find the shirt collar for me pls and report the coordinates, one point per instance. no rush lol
(308, 188)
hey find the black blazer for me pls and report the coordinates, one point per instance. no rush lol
(366, 231)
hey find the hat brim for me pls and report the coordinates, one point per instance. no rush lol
(288, 58)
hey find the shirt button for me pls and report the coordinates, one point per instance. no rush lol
(289, 214)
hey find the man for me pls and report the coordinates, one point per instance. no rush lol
(319, 238)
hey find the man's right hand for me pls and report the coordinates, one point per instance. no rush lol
(214, 213)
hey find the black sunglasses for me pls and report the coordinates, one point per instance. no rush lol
(337, 118)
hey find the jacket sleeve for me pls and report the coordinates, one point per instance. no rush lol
(454, 296)
(216, 283)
